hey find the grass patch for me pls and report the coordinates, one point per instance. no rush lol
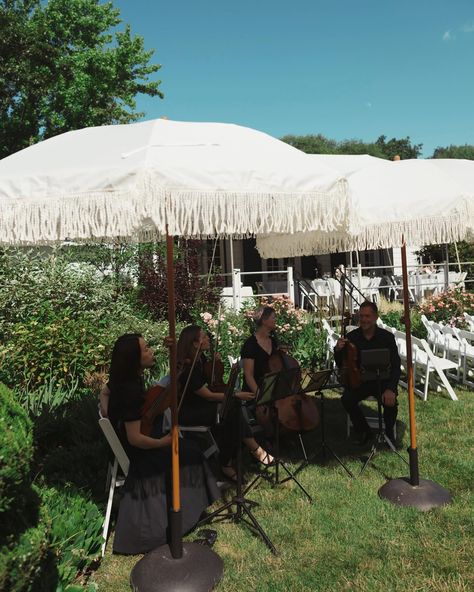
(348, 539)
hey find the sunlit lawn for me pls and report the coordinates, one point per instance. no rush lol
(348, 538)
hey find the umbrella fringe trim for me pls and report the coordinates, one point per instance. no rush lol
(149, 211)
(430, 230)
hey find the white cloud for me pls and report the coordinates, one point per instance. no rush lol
(468, 28)
(447, 36)
(368, 104)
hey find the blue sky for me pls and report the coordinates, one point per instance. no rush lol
(343, 68)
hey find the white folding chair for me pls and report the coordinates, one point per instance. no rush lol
(426, 363)
(114, 479)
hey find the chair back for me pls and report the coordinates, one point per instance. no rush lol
(115, 444)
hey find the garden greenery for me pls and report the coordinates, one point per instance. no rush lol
(59, 318)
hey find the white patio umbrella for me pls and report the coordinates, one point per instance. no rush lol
(392, 204)
(159, 176)
(425, 201)
(164, 178)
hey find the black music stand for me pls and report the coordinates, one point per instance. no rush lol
(375, 365)
(316, 382)
(243, 505)
(276, 386)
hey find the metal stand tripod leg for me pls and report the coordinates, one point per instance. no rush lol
(278, 462)
(324, 446)
(242, 512)
(381, 435)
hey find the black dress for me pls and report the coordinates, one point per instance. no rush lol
(252, 350)
(142, 522)
(196, 410)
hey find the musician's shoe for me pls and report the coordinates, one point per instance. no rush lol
(263, 457)
(364, 438)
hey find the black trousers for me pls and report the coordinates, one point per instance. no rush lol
(350, 401)
(226, 433)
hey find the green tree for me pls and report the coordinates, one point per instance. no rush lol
(319, 144)
(65, 65)
(466, 151)
(398, 147)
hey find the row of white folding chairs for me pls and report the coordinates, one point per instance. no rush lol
(427, 367)
(453, 344)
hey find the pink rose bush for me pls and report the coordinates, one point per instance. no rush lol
(449, 307)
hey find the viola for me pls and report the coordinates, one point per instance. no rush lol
(297, 412)
(351, 374)
(213, 370)
(157, 400)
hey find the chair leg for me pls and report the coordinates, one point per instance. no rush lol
(113, 480)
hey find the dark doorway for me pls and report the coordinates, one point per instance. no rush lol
(252, 262)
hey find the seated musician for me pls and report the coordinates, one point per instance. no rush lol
(258, 348)
(370, 336)
(199, 403)
(142, 521)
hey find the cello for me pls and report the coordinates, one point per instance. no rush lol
(297, 412)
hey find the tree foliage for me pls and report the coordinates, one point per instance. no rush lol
(466, 151)
(381, 148)
(65, 65)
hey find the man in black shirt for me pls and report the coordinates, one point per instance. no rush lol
(370, 336)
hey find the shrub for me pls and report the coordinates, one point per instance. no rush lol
(59, 322)
(449, 307)
(58, 549)
(26, 562)
(75, 532)
(16, 449)
(295, 329)
(191, 293)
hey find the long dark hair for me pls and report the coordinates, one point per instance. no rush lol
(185, 349)
(126, 359)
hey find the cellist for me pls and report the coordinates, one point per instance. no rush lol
(258, 348)
(370, 336)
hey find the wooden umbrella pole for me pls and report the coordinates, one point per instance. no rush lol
(176, 545)
(412, 451)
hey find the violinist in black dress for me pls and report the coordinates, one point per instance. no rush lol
(370, 336)
(199, 403)
(142, 521)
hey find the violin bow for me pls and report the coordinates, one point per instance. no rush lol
(198, 350)
(217, 343)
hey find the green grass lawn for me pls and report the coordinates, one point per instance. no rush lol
(349, 539)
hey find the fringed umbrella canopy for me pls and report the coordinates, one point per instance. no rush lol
(425, 201)
(138, 180)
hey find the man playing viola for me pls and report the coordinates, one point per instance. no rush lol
(367, 337)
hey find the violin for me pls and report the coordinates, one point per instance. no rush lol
(297, 412)
(213, 371)
(157, 400)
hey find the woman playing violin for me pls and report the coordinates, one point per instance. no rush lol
(199, 403)
(143, 514)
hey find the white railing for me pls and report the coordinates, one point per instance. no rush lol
(235, 295)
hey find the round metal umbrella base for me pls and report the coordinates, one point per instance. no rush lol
(424, 497)
(198, 570)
